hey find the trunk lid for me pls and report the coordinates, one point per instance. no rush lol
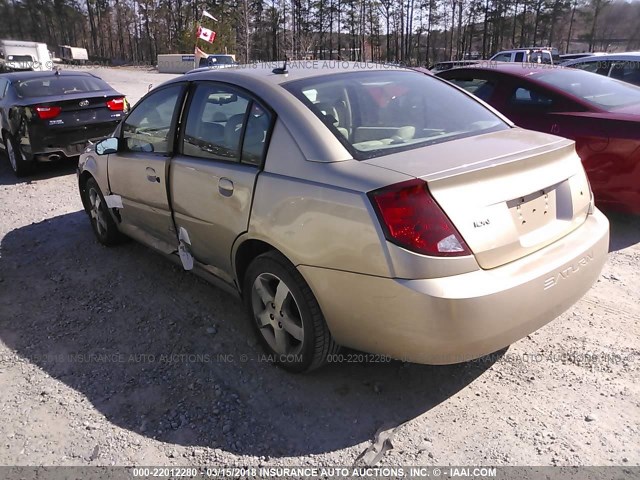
(80, 109)
(508, 193)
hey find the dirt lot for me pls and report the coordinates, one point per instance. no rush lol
(114, 356)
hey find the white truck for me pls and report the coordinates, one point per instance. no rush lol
(75, 55)
(547, 55)
(21, 55)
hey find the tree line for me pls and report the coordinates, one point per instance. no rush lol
(415, 32)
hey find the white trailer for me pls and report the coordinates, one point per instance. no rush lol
(21, 55)
(74, 55)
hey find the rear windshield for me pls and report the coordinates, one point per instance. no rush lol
(59, 85)
(378, 113)
(598, 90)
(216, 60)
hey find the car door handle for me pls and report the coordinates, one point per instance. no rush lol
(151, 175)
(225, 187)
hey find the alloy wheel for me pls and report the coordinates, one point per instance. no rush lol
(11, 153)
(97, 212)
(277, 314)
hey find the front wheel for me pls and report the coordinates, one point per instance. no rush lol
(104, 226)
(20, 166)
(286, 315)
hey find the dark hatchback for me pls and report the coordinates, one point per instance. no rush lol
(48, 116)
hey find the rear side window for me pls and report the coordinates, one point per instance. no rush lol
(519, 57)
(540, 57)
(59, 85)
(216, 123)
(378, 113)
(528, 96)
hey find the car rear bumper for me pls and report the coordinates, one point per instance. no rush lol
(459, 318)
(48, 144)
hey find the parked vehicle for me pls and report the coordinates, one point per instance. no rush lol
(46, 116)
(442, 66)
(183, 63)
(380, 209)
(218, 61)
(73, 55)
(17, 55)
(602, 115)
(575, 56)
(546, 55)
(621, 66)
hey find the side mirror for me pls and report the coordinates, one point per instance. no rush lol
(107, 146)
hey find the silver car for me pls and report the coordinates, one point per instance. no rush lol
(353, 205)
(621, 66)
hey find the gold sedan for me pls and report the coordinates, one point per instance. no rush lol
(372, 207)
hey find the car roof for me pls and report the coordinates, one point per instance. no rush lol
(296, 70)
(521, 69)
(530, 49)
(635, 56)
(26, 75)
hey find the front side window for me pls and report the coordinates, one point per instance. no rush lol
(586, 66)
(627, 71)
(216, 129)
(378, 113)
(503, 57)
(148, 127)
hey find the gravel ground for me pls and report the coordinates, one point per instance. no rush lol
(114, 356)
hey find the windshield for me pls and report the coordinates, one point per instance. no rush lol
(59, 85)
(378, 113)
(20, 61)
(598, 90)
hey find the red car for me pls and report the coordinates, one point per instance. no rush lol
(602, 115)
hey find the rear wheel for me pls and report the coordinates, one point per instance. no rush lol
(102, 222)
(286, 314)
(19, 165)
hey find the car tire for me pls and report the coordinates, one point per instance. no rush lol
(19, 166)
(102, 222)
(294, 333)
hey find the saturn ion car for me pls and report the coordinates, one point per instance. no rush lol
(375, 208)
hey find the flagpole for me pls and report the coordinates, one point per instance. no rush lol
(195, 46)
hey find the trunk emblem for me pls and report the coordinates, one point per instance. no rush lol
(481, 223)
(569, 271)
(84, 103)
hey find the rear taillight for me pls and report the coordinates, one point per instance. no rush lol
(117, 104)
(413, 220)
(47, 113)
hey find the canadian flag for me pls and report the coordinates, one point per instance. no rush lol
(206, 34)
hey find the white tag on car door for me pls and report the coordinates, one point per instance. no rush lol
(183, 249)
